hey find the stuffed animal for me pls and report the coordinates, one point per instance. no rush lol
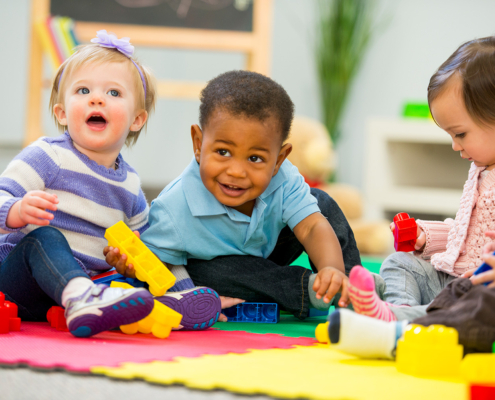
(313, 155)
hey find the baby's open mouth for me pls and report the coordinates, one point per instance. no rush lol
(96, 121)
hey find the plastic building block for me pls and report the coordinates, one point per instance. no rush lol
(265, 313)
(107, 277)
(416, 110)
(429, 351)
(159, 322)
(481, 392)
(483, 268)
(405, 232)
(56, 317)
(313, 312)
(479, 368)
(8, 316)
(321, 333)
(148, 267)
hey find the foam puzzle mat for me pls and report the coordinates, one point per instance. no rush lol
(314, 372)
(41, 346)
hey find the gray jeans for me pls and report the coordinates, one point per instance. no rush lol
(411, 281)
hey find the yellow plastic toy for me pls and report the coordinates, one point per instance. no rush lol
(478, 368)
(148, 267)
(429, 351)
(159, 322)
(321, 333)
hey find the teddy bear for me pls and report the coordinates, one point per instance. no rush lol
(313, 154)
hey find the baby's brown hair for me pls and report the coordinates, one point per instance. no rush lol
(474, 63)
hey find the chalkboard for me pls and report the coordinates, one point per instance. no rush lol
(231, 15)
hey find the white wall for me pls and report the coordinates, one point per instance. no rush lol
(421, 34)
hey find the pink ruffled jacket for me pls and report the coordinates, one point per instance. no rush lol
(454, 246)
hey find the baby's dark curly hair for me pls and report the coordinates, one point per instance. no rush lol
(247, 94)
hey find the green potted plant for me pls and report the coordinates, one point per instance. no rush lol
(343, 33)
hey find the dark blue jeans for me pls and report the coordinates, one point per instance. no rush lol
(36, 271)
(274, 280)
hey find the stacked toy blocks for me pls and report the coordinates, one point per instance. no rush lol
(8, 316)
(405, 232)
(159, 322)
(56, 317)
(431, 351)
(253, 312)
(479, 371)
(147, 266)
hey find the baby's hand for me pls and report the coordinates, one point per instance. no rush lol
(117, 260)
(226, 303)
(328, 282)
(420, 237)
(487, 276)
(32, 209)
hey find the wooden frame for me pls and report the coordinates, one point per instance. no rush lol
(256, 45)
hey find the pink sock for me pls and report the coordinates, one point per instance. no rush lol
(364, 298)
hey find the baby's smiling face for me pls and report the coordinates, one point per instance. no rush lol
(238, 157)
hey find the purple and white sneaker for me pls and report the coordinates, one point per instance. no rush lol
(101, 308)
(199, 306)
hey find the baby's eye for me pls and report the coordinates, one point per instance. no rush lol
(223, 152)
(460, 135)
(83, 91)
(255, 159)
(113, 93)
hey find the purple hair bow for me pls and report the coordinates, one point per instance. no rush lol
(110, 40)
(105, 39)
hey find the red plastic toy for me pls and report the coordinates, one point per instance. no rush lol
(405, 232)
(56, 318)
(8, 316)
(482, 392)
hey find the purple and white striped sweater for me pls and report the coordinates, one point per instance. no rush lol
(91, 197)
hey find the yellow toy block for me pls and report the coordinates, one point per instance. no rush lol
(321, 333)
(159, 322)
(478, 368)
(147, 266)
(429, 351)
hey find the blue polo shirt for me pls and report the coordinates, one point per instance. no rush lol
(187, 221)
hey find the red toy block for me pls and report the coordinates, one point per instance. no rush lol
(482, 392)
(405, 232)
(56, 318)
(8, 316)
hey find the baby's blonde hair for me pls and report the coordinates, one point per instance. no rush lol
(94, 53)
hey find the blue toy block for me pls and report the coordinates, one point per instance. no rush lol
(313, 312)
(261, 313)
(483, 268)
(108, 277)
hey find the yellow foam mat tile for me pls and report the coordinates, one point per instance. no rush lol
(314, 372)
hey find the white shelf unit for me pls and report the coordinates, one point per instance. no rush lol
(411, 167)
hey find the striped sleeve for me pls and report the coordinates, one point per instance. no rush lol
(139, 219)
(32, 169)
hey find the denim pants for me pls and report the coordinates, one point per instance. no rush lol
(410, 281)
(273, 280)
(36, 271)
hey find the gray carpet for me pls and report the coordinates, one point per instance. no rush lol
(28, 384)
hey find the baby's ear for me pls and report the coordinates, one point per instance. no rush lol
(282, 156)
(139, 121)
(197, 140)
(59, 112)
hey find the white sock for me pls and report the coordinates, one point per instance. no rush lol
(364, 336)
(75, 287)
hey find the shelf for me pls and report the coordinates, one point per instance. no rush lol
(410, 167)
